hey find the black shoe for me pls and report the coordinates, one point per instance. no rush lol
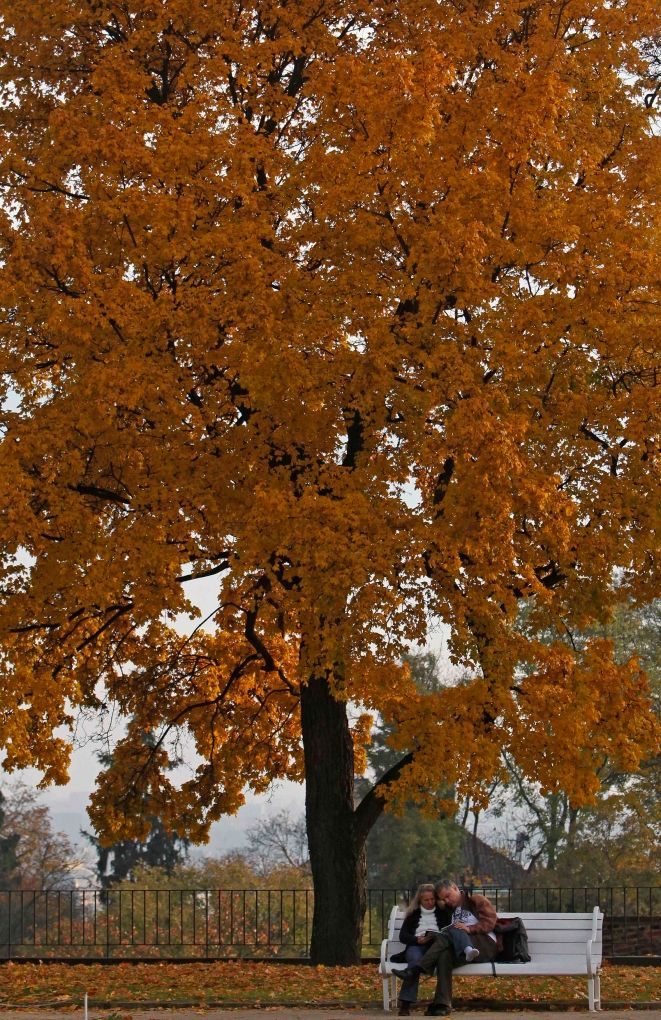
(437, 1009)
(406, 973)
(404, 1008)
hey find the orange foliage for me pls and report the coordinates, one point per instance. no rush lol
(28, 984)
(348, 307)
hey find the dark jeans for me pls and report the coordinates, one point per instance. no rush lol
(440, 957)
(408, 991)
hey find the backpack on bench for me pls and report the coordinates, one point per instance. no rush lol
(512, 930)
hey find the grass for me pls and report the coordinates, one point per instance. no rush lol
(33, 984)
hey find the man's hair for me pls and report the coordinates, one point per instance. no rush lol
(446, 883)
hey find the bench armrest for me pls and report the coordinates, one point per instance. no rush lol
(591, 968)
(384, 957)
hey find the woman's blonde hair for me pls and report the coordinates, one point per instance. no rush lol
(415, 902)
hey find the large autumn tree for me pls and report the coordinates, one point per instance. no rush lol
(347, 306)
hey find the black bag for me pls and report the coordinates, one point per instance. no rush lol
(515, 941)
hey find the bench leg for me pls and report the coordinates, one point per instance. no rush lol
(386, 993)
(594, 992)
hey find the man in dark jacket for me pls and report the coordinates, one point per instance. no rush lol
(472, 914)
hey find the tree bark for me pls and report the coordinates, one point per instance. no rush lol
(337, 847)
(337, 831)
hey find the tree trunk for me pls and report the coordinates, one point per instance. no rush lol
(475, 848)
(336, 841)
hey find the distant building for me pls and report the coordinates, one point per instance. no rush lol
(480, 864)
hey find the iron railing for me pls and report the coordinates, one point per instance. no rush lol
(131, 923)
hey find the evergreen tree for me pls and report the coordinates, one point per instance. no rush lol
(161, 849)
(402, 847)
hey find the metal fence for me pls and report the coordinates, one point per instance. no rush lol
(179, 924)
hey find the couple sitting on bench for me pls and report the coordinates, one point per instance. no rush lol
(443, 928)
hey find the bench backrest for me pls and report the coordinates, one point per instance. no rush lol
(548, 934)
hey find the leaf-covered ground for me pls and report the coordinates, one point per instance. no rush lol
(203, 983)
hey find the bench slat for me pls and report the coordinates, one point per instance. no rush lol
(583, 923)
(547, 965)
(541, 921)
(555, 940)
(535, 916)
(568, 949)
(547, 934)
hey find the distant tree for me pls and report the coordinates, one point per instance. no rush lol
(231, 870)
(44, 858)
(278, 841)
(618, 837)
(8, 859)
(238, 869)
(471, 810)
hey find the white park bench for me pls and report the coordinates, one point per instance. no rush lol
(558, 944)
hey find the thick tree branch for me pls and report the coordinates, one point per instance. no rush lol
(355, 438)
(211, 572)
(100, 493)
(371, 806)
(255, 640)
